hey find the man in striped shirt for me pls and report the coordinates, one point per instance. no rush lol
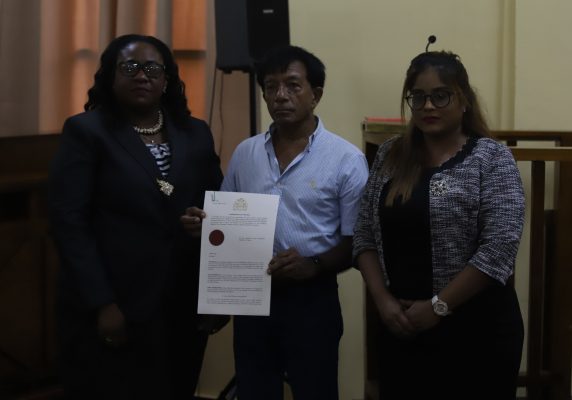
(320, 179)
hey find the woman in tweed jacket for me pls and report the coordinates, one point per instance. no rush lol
(436, 241)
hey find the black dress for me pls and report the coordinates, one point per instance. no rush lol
(473, 353)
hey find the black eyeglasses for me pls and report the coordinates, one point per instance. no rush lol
(439, 99)
(132, 68)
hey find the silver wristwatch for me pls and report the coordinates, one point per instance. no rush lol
(440, 307)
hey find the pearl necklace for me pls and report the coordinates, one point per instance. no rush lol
(153, 130)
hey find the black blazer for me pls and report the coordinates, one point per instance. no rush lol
(118, 236)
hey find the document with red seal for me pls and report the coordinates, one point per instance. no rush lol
(236, 246)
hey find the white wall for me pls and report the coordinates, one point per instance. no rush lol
(367, 45)
(543, 65)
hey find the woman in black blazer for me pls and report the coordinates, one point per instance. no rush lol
(126, 170)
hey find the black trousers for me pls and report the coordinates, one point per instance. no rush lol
(473, 354)
(161, 360)
(298, 343)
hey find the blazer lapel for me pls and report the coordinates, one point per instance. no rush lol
(131, 142)
(180, 148)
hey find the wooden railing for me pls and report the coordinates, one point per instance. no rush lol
(549, 351)
(548, 364)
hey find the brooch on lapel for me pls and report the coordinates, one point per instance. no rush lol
(438, 188)
(165, 187)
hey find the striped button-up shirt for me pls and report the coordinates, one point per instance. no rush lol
(319, 191)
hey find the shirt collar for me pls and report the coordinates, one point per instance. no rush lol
(312, 138)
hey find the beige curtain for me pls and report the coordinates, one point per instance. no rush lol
(73, 34)
(49, 51)
(19, 58)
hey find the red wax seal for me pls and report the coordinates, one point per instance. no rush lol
(216, 237)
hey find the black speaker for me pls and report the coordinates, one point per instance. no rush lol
(247, 29)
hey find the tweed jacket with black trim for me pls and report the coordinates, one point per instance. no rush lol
(476, 214)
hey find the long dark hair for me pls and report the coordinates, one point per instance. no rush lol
(404, 159)
(100, 95)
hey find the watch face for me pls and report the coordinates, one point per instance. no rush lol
(440, 308)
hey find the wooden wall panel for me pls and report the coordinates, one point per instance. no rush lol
(192, 69)
(189, 46)
(189, 24)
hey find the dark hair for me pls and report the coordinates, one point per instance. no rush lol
(100, 95)
(278, 59)
(404, 158)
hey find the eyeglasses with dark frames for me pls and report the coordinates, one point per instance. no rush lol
(439, 99)
(132, 68)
